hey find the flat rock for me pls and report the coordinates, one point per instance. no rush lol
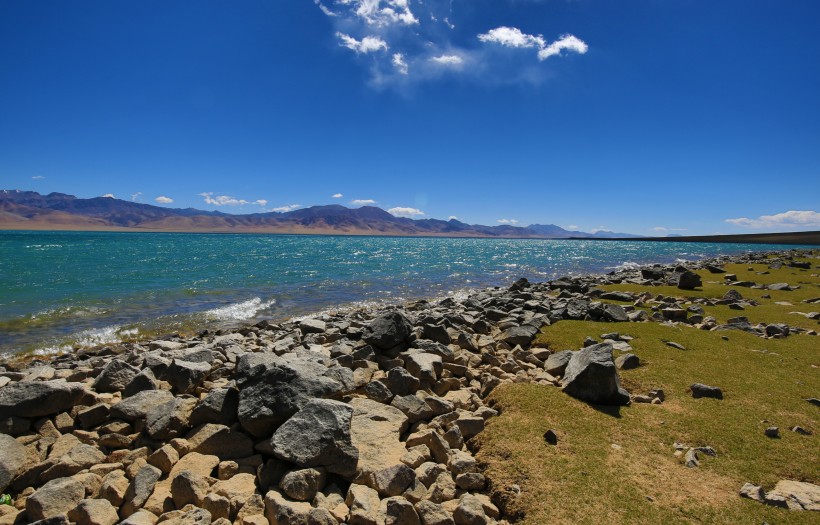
(115, 376)
(56, 497)
(221, 441)
(39, 398)
(798, 495)
(375, 431)
(137, 406)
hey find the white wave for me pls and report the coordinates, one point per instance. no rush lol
(628, 265)
(239, 311)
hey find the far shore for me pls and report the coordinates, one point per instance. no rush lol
(791, 238)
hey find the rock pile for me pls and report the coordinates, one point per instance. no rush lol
(363, 417)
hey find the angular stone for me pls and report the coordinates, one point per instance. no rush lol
(141, 382)
(591, 376)
(302, 485)
(470, 511)
(557, 363)
(140, 489)
(115, 376)
(137, 406)
(56, 497)
(394, 480)
(219, 406)
(94, 512)
(281, 511)
(397, 510)
(387, 331)
(798, 495)
(32, 399)
(221, 441)
(318, 436)
(375, 431)
(689, 280)
(364, 505)
(433, 514)
(188, 488)
(186, 376)
(12, 460)
(79, 458)
(169, 420)
(627, 361)
(272, 389)
(426, 367)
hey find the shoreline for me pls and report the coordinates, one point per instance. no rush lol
(350, 416)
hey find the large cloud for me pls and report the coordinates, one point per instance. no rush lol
(792, 219)
(400, 211)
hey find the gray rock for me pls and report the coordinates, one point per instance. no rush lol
(519, 335)
(170, 419)
(115, 376)
(219, 407)
(732, 296)
(780, 287)
(282, 511)
(591, 376)
(700, 390)
(318, 436)
(577, 309)
(557, 363)
(615, 313)
(436, 333)
(426, 367)
(188, 488)
(470, 511)
(12, 460)
(751, 491)
(94, 512)
(302, 485)
(398, 511)
(689, 280)
(795, 495)
(401, 382)
(392, 481)
(378, 391)
(56, 497)
(271, 389)
(219, 440)
(387, 331)
(627, 361)
(137, 406)
(31, 399)
(141, 382)
(364, 505)
(312, 326)
(433, 514)
(186, 376)
(140, 489)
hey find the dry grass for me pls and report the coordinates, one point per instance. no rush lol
(584, 479)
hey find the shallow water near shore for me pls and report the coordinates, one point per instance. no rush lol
(63, 289)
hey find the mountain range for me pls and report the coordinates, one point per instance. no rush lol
(29, 210)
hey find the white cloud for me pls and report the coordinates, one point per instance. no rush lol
(665, 229)
(162, 199)
(512, 37)
(362, 202)
(324, 8)
(791, 219)
(382, 12)
(452, 218)
(365, 45)
(448, 60)
(336, 196)
(226, 200)
(135, 196)
(568, 42)
(507, 221)
(399, 63)
(109, 196)
(573, 227)
(400, 211)
(286, 208)
(38, 177)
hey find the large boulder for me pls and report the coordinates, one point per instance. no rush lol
(689, 280)
(519, 335)
(796, 495)
(387, 331)
(591, 376)
(137, 406)
(219, 407)
(272, 389)
(12, 460)
(39, 398)
(318, 436)
(54, 498)
(115, 376)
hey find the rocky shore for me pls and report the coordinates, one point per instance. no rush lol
(364, 418)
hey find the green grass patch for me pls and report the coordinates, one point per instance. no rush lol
(584, 479)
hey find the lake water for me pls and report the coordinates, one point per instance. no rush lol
(59, 289)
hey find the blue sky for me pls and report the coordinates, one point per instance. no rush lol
(649, 117)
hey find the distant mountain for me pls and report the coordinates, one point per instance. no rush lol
(58, 211)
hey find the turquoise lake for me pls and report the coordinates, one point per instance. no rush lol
(60, 289)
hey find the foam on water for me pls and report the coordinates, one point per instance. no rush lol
(239, 311)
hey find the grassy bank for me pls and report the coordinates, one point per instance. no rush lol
(619, 466)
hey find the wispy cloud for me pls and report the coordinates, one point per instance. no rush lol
(38, 177)
(573, 227)
(792, 219)
(665, 229)
(400, 64)
(362, 202)
(382, 12)
(367, 44)
(401, 211)
(566, 42)
(109, 196)
(162, 199)
(136, 196)
(507, 221)
(448, 60)
(286, 208)
(452, 218)
(326, 10)
(336, 196)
